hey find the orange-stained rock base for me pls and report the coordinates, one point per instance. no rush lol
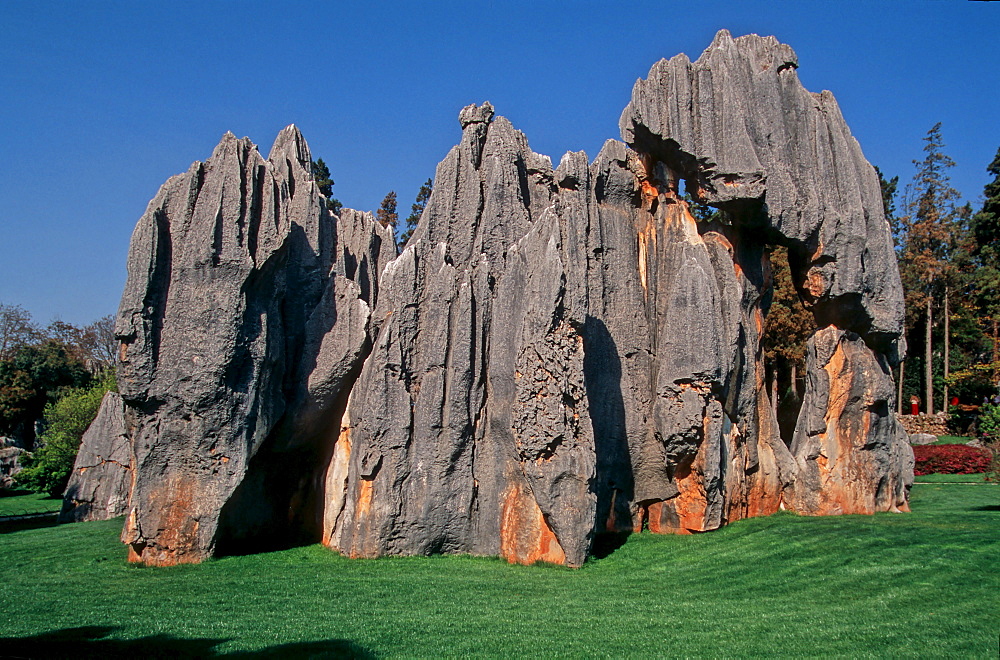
(525, 536)
(177, 541)
(335, 485)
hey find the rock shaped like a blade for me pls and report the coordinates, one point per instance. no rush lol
(101, 480)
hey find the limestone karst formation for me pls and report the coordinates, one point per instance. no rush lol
(558, 352)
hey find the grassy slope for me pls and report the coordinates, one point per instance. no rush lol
(15, 503)
(924, 584)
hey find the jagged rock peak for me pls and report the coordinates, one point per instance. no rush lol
(767, 52)
(244, 316)
(476, 114)
(291, 145)
(748, 138)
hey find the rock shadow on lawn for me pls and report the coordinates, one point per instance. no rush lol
(92, 642)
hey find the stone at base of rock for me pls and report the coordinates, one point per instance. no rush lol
(922, 439)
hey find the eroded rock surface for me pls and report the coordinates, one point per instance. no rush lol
(244, 318)
(558, 353)
(10, 465)
(101, 480)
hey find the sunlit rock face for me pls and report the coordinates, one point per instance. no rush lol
(559, 353)
(244, 317)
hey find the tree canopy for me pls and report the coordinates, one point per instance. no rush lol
(48, 468)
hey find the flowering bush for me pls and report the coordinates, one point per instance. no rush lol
(989, 422)
(950, 459)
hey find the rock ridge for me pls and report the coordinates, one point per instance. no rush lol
(558, 357)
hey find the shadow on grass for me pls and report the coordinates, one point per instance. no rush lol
(989, 507)
(607, 543)
(90, 642)
(13, 493)
(16, 525)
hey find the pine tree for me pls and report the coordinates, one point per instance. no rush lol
(889, 188)
(321, 175)
(416, 211)
(985, 230)
(930, 235)
(387, 211)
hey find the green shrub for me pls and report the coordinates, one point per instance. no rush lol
(989, 431)
(47, 469)
(989, 422)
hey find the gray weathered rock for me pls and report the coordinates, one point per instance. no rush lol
(557, 354)
(922, 439)
(101, 480)
(853, 455)
(10, 465)
(243, 321)
(745, 135)
(468, 428)
(740, 128)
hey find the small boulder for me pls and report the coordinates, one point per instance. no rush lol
(9, 465)
(922, 439)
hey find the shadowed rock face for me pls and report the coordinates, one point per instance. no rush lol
(558, 353)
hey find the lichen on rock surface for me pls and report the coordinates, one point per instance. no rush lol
(557, 354)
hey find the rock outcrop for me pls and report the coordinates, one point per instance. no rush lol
(557, 354)
(243, 324)
(10, 464)
(101, 480)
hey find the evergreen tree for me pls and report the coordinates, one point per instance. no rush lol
(387, 211)
(321, 175)
(930, 235)
(985, 253)
(889, 188)
(416, 211)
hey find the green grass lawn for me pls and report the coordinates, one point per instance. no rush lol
(18, 502)
(979, 478)
(924, 584)
(952, 440)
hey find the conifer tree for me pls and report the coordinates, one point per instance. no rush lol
(889, 188)
(985, 231)
(387, 211)
(416, 211)
(321, 175)
(787, 327)
(931, 232)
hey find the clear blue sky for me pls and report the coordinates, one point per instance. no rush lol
(103, 101)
